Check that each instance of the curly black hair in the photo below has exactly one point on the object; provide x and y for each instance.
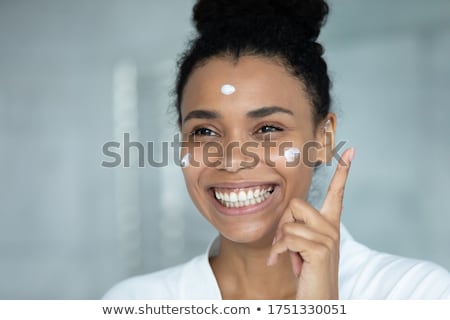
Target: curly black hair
(286, 30)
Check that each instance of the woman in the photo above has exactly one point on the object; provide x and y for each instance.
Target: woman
(254, 109)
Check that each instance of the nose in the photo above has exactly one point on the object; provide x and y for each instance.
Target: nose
(237, 155)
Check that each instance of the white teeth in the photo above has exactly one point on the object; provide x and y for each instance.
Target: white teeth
(242, 198)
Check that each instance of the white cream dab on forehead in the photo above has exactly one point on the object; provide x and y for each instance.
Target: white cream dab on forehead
(227, 89)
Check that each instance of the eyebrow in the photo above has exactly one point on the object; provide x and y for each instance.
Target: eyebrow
(201, 114)
(258, 113)
(267, 111)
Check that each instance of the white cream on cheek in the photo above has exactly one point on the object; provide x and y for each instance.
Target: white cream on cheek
(290, 158)
(291, 154)
(185, 162)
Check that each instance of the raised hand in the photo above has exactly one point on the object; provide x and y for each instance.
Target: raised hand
(312, 239)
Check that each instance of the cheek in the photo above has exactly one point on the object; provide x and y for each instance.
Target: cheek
(190, 169)
(294, 166)
(194, 167)
(186, 160)
(191, 178)
(285, 157)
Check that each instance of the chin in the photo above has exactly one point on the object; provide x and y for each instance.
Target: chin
(256, 236)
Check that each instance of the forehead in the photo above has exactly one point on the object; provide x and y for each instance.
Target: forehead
(258, 81)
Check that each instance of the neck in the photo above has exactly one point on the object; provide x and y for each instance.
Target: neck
(242, 272)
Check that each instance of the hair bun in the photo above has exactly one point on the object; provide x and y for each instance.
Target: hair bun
(307, 16)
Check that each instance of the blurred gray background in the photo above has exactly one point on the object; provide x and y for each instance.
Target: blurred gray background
(76, 74)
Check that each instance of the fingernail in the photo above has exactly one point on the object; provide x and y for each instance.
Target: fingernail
(351, 154)
(274, 240)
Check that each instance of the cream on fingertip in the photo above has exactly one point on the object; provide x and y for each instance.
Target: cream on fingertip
(351, 155)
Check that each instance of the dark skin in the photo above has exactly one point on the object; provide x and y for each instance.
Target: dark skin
(283, 248)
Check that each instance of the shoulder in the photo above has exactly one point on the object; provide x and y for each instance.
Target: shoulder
(179, 282)
(369, 274)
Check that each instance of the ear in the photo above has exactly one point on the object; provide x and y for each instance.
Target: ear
(325, 135)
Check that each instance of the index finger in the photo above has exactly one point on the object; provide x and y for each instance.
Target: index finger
(332, 205)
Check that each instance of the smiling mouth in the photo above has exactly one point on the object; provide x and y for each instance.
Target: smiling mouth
(242, 197)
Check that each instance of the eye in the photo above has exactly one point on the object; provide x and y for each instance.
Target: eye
(203, 132)
(267, 128)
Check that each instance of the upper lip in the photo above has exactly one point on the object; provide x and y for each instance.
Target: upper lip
(241, 185)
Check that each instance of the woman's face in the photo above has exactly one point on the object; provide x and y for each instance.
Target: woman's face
(238, 176)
